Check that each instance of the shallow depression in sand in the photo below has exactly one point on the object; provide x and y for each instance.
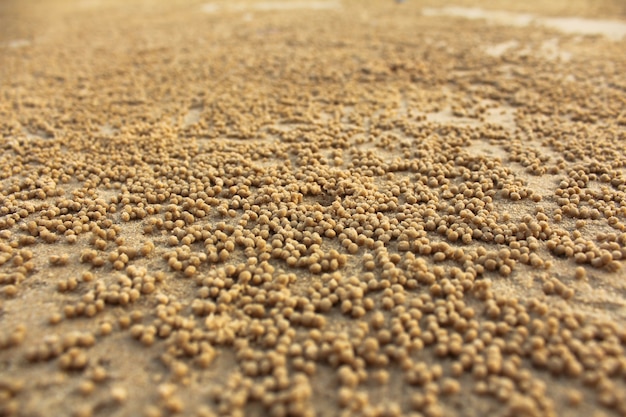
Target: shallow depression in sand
(612, 29)
(17, 43)
(272, 6)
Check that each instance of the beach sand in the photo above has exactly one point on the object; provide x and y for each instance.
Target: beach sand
(312, 208)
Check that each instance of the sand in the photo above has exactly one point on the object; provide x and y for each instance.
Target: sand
(325, 208)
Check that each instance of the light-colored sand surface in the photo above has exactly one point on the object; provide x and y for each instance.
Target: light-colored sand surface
(299, 208)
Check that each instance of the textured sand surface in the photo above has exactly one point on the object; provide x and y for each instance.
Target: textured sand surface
(299, 208)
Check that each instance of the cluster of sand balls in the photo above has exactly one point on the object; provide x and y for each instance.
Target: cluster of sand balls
(271, 222)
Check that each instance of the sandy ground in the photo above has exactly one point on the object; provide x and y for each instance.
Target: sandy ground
(298, 208)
